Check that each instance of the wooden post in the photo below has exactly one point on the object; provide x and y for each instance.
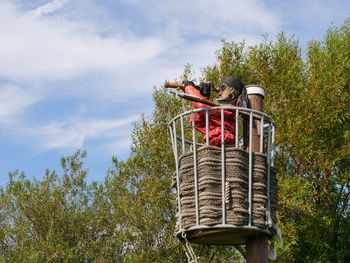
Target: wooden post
(257, 249)
(256, 246)
(256, 96)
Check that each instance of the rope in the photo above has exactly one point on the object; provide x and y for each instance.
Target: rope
(191, 256)
(236, 188)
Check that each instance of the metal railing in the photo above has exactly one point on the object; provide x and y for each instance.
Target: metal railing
(185, 139)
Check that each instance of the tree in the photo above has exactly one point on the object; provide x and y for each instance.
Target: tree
(48, 220)
(309, 100)
(130, 216)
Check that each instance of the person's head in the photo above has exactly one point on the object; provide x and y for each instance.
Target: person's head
(233, 89)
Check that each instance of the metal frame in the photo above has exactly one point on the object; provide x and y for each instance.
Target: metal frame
(267, 133)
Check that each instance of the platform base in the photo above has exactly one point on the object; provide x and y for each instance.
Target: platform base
(222, 236)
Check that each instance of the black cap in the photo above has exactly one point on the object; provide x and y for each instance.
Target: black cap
(234, 83)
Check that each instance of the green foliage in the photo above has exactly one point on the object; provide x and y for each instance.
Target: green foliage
(130, 217)
(309, 100)
(45, 221)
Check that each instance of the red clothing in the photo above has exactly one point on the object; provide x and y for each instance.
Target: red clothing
(214, 121)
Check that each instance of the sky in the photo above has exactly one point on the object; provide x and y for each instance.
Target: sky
(76, 74)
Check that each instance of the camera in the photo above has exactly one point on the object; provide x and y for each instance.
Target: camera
(205, 88)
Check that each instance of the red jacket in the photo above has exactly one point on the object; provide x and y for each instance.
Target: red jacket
(214, 121)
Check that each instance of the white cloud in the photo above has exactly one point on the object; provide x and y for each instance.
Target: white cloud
(38, 50)
(48, 8)
(56, 135)
(14, 100)
(87, 49)
(74, 134)
(117, 147)
(54, 48)
(222, 18)
(106, 128)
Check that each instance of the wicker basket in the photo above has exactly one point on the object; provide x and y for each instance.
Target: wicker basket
(209, 170)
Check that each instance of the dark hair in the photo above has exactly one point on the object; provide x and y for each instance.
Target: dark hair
(243, 100)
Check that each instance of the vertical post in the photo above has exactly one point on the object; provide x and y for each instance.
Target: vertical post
(174, 142)
(257, 250)
(262, 134)
(270, 162)
(250, 182)
(182, 135)
(256, 96)
(207, 126)
(273, 145)
(223, 167)
(194, 143)
(237, 123)
(256, 246)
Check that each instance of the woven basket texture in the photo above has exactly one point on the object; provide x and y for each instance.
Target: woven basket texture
(209, 170)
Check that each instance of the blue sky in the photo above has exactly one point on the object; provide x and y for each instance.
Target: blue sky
(75, 74)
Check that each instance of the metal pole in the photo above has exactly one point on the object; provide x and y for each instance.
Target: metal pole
(268, 173)
(195, 168)
(223, 171)
(262, 134)
(207, 126)
(174, 142)
(237, 127)
(273, 145)
(182, 135)
(250, 186)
